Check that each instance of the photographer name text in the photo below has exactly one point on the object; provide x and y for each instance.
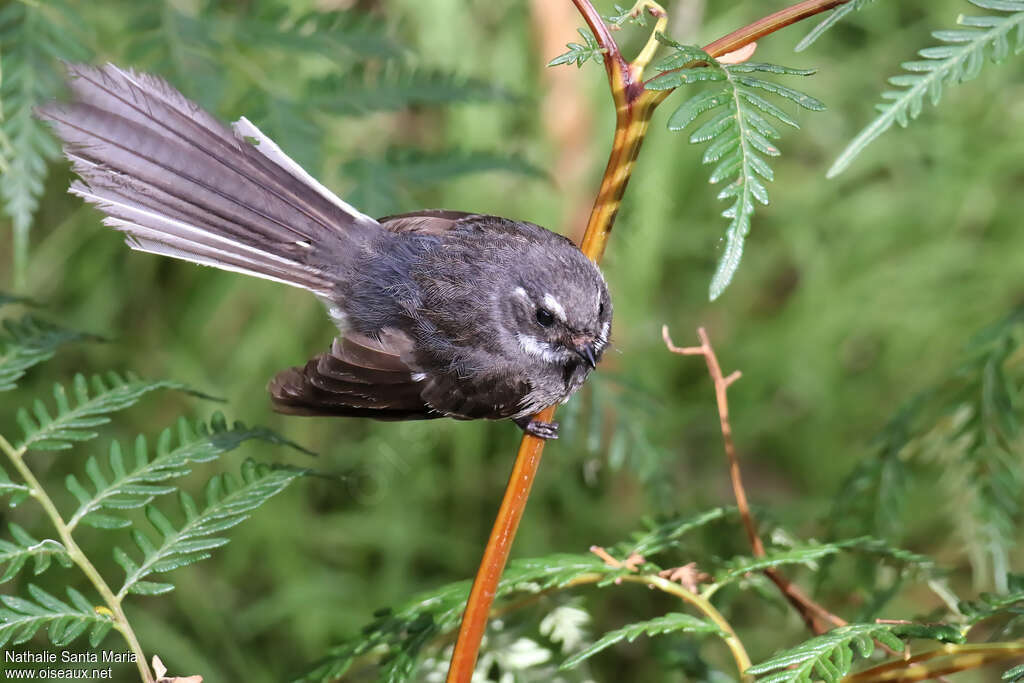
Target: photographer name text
(69, 657)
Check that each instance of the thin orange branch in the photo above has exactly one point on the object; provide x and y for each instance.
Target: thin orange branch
(481, 596)
(817, 618)
(721, 387)
(770, 24)
(934, 664)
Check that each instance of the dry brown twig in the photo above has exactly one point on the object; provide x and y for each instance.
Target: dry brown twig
(817, 618)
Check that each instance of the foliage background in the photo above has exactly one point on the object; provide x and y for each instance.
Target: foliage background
(854, 295)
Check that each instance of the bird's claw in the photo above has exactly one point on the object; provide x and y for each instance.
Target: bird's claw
(541, 430)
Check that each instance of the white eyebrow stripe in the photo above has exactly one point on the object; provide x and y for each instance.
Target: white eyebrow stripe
(552, 305)
(519, 291)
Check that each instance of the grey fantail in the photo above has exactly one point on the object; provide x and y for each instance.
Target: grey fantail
(441, 313)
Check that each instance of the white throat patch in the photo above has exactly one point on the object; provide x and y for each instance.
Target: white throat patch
(542, 349)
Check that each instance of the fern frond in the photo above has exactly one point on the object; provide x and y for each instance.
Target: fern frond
(321, 32)
(138, 484)
(28, 342)
(739, 135)
(837, 15)
(667, 534)
(673, 622)
(18, 492)
(379, 180)
(20, 619)
(34, 36)
(963, 433)
(884, 551)
(580, 53)
(174, 43)
(26, 548)
(93, 400)
(228, 502)
(828, 657)
(1014, 675)
(406, 630)
(361, 94)
(960, 58)
(626, 15)
(807, 555)
(989, 605)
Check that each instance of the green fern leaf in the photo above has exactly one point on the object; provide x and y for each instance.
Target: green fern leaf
(176, 44)
(138, 484)
(228, 502)
(18, 492)
(1014, 675)
(16, 555)
(960, 58)
(34, 36)
(21, 619)
(884, 551)
(626, 15)
(837, 15)
(361, 94)
(964, 435)
(807, 555)
(28, 342)
(580, 53)
(989, 605)
(379, 180)
(93, 400)
(828, 657)
(672, 622)
(667, 534)
(321, 32)
(740, 134)
(404, 631)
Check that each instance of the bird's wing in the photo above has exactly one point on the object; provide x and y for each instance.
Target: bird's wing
(358, 377)
(494, 397)
(426, 222)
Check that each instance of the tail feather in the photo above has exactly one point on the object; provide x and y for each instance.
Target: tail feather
(181, 184)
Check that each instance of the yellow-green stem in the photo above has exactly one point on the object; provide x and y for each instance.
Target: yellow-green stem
(36, 491)
(739, 653)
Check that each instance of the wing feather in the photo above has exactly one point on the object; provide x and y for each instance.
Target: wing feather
(358, 377)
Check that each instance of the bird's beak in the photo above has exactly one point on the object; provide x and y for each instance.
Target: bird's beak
(586, 352)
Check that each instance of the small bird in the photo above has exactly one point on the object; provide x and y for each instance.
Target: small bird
(441, 313)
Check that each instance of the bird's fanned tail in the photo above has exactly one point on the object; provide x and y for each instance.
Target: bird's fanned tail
(182, 184)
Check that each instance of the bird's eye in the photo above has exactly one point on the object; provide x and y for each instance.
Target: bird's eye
(545, 317)
(600, 309)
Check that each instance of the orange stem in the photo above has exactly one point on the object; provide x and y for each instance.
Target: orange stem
(481, 597)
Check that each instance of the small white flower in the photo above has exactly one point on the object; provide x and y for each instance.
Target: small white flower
(523, 654)
(566, 625)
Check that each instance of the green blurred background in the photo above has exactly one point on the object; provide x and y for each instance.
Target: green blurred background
(853, 295)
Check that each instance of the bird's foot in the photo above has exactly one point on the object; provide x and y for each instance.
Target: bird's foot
(541, 430)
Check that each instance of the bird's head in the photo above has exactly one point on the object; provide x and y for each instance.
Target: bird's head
(560, 308)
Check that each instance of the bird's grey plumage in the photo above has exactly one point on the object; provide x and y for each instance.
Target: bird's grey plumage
(441, 313)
